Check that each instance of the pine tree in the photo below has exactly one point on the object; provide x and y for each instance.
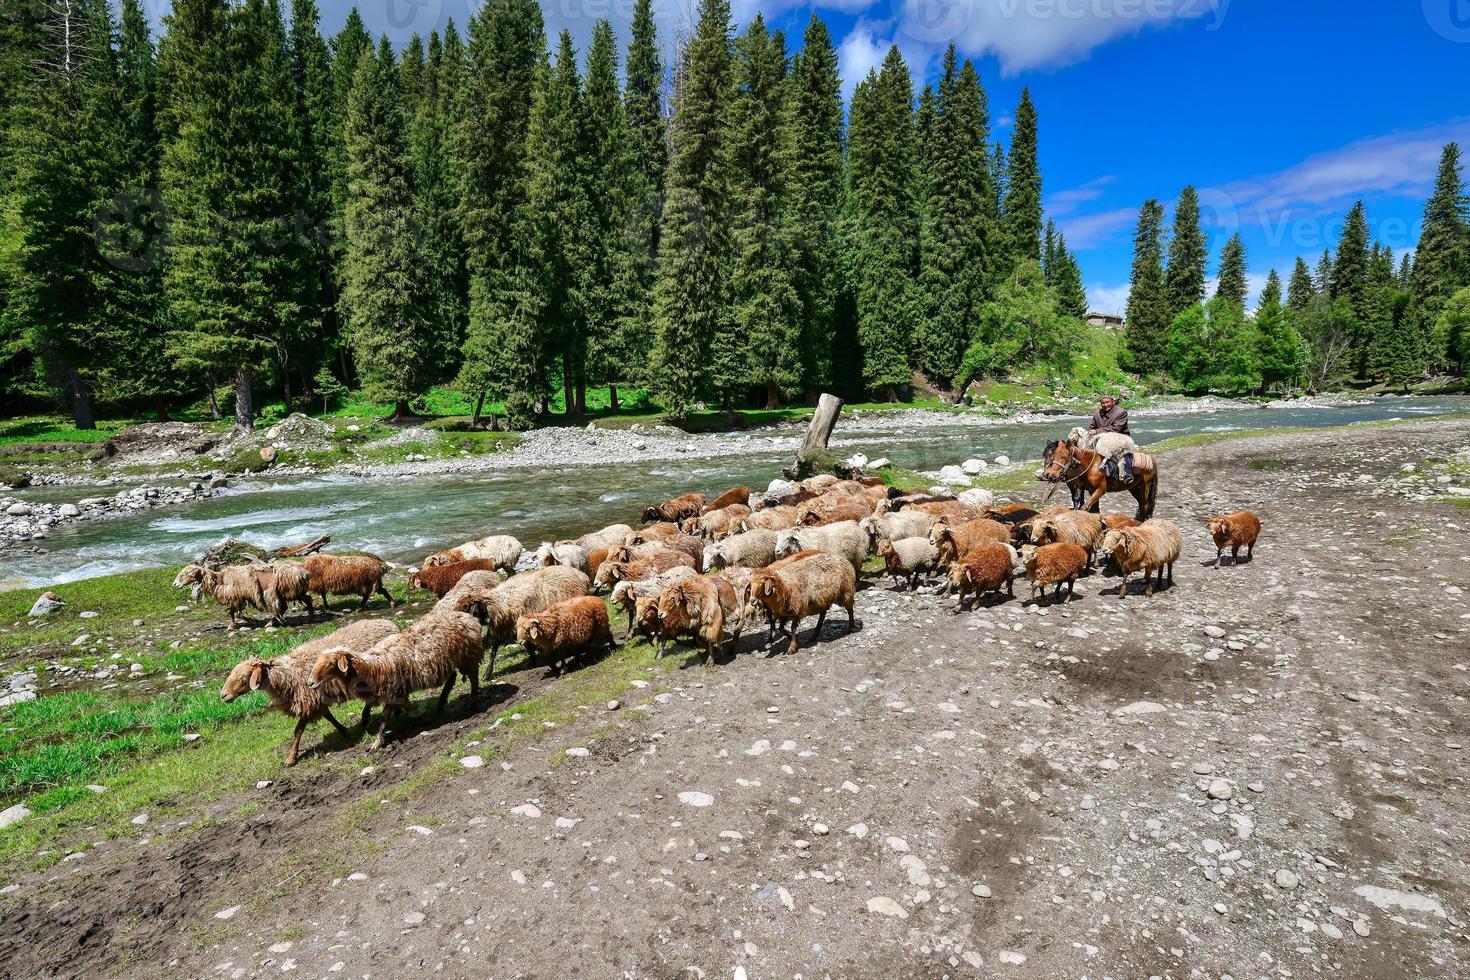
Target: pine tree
(1232, 285)
(1148, 316)
(311, 75)
(20, 39)
(765, 331)
(994, 208)
(649, 146)
(68, 153)
(882, 225)
(556, 213)
(613, 240)
(1049, 252)
(1442, 258)
(1395, 347)
(1322, 278)
(381, 269)
(1450, 339)
(1300, 291)
(955, 236)
(1071, 295)
(1279, 345)
(1188, 255)
(815, 198)
(1023, 188)
(692, 293)
(1213, 347)
(503, 350)
(349, 47)
(1350, 266)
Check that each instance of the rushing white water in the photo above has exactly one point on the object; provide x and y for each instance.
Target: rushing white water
(403, 518)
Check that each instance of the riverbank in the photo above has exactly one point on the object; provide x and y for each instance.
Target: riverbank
(1212, 746)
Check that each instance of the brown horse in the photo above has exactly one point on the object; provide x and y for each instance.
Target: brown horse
(1082, 471)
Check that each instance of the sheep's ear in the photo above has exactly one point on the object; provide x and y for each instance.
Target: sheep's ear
(257, 676)
(535, 631)
(342, 663)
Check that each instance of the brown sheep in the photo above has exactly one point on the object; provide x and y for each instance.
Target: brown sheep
(955, 540)
(811, 586)
(565, 628)
(234, 587)
(1053, 564)
(1021, 531)
(716, 524)
(608, 537)
(735, 495)
(1152, 546)
(851, 509)
(778, 518)
(675, 509)
(660, 630)
(439, 579)
(285, 582)
(658, 531)
(711, 605)
(1117, 522)
(502, 549)
(359, 575)
(1235, 531)
(612, 572)
(468, 591)
(595, 558)
(499, 608)
(286, 680)
(954, 511)
(433, 651)
(984, 569)
(1071, 526)
(626, 594)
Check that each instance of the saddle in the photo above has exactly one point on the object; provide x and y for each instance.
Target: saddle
(1135, 464)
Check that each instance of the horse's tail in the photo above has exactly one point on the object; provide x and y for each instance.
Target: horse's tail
(1153, 492)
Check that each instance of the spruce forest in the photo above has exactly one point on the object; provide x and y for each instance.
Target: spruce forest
(241, 209)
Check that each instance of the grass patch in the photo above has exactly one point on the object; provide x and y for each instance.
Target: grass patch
(118, 599)
(1269, 465)
(50, 428)
(1406, 539)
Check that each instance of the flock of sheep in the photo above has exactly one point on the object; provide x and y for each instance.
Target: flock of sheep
(696, 568)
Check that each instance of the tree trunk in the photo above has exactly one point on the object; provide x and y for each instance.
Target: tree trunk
(213, 404)
(773, 395)
(890, 394)
(568, 387)
(81, 401)
(819, 430)
(581, 390)
(612, 398)
(244, 399)
(160, 408)
(810, 396)
(286, 388)
(401, 410)
(479, 405)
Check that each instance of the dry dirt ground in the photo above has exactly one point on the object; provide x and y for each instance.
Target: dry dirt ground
(1257, 773)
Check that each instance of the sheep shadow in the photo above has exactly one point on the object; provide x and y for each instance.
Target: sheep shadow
(1138, 588)
(1227, 562)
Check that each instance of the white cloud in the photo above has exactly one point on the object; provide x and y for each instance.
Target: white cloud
(1066, 202)
(1030, 34)
(1091, 230)
(859, 53)
(1103, 298)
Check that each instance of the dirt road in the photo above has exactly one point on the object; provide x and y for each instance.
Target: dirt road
(1259, 772)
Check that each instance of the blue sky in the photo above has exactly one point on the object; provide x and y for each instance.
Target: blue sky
(1280, 113)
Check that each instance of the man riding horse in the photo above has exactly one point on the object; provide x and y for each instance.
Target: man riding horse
(1103, 459)
(1111, 419)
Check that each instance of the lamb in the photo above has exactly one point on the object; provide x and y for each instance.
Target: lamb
(568, 553)
(439, 579)
(627, 593)
(735, 495)
(899, 524)
(502, 549)
(1074, 526)
(285, 582)
(286, 680)
(777, 518)
(234, 587)
(717, 524)
(433, 651)
(984, 569)
(752, 549)
(595, 558)
(499, 608)
(955, 540)
(660, 629)
(609, 537)
(1117, 521)
(908, 557)
(1053, 564)
(1152, 546)
(845, 540)
(565, 628)
(1235, 531)
(675, 509)
(711, 605)
(613, 571)
(359, 575)
(813, 585)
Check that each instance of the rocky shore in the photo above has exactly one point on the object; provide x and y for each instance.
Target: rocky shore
(22, 520)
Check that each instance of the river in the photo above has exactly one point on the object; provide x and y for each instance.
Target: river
(403, 518)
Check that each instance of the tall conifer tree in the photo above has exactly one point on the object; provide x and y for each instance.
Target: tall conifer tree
(1023, 186)
(1187, 255)
(1301, 288)
(1442, 258)
(1232, 286)
(1149, 305)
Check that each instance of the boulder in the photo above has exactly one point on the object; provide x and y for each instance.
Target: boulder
(269, 453)
(1002, 461)
(978, 496)
(19, 510)
(973, 466)
(69, 510)
(857, 461)
(14, 815)
(954, 475)
(47, 604)
(879, 463)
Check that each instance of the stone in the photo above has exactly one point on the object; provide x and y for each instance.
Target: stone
(973, 466)
(69, 510)
(14, 815)
(578, 752)
(1221, 789)
(229, 913)
(19, 510)
(1214, 632)
(1286, 878)
(1002, 460)
(414, 919)
(692, 798)
(472, 762)
(980, 891)
(953, 475)
(526, 810)
(1392, 898)
(1139, 708)
(140, 819)
(1011, 956)
(269, 454)
(883, 905)
(45, 605)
